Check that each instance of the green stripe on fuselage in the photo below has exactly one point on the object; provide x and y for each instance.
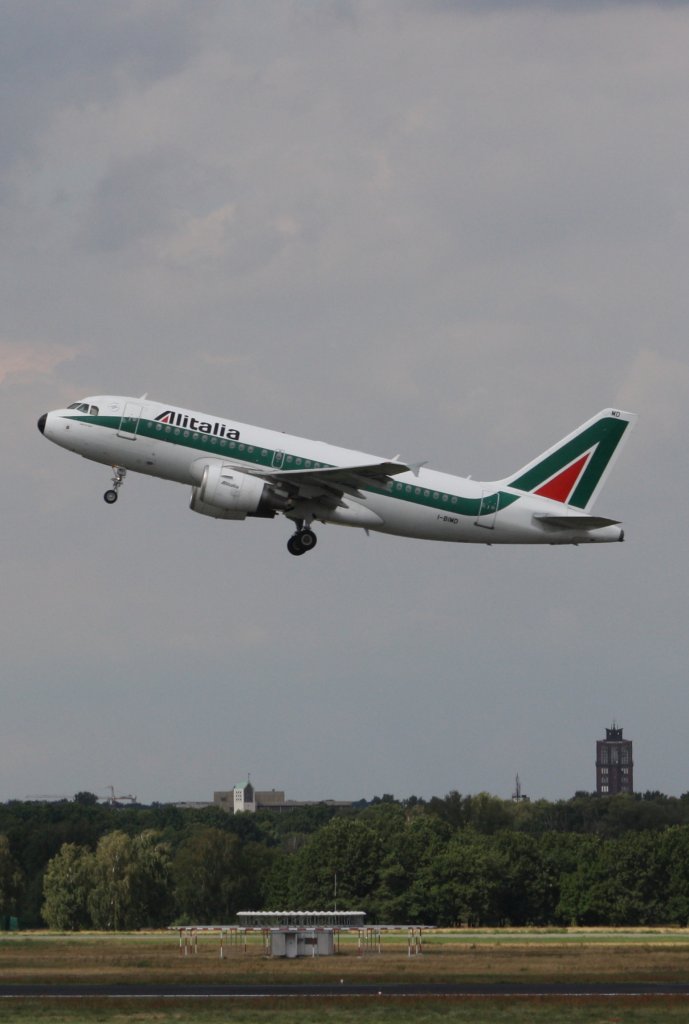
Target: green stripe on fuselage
(209, 444)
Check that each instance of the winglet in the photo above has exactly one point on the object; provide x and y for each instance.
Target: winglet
(414, 467)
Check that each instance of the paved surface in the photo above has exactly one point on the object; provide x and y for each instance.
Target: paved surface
(513, 990)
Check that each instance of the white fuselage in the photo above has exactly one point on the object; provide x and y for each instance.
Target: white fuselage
(177, 444)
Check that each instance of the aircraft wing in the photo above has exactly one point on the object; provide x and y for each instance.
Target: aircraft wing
(334, 480)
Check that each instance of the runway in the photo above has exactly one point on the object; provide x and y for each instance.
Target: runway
(512, 990)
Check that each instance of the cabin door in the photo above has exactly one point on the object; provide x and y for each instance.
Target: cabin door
(129, 424)
(488, 510)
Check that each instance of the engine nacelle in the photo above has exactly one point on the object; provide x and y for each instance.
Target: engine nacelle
(226, 493)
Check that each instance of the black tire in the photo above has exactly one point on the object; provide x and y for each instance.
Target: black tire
(110, 497)
(294, 545)
(308, 539)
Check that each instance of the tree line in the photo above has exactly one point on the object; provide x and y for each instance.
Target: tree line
(456, 860)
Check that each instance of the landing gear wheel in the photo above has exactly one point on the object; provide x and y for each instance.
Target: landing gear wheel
(308, 539)
(118, 475)
(301, 542)
(294, 545)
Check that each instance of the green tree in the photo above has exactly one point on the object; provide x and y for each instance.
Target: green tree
(618, 882)
(386, 818)
(85, 798)
(66, 886)
(590, 859)
(125, 884)
(11, 879)
(528, 883)
(673, 852)
(401, 895)
(210, 877)
(487, 814)
(273, 892)
(110, 899)
(150, 882)
(462, 884)
(339, 864)
(450, 808)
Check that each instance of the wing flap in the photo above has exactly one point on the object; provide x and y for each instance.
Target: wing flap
(349, 479)
(369, 470)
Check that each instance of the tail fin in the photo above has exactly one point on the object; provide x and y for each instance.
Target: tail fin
(574, 470)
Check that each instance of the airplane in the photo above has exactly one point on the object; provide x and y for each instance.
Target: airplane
(237, 471)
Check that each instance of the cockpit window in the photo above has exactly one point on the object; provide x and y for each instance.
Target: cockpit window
(92, 410)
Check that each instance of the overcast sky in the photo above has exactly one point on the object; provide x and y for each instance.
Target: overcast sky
(451, 231)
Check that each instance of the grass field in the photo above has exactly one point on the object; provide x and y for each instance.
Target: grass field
(572, 956)
(41, 958)
(365, 1011)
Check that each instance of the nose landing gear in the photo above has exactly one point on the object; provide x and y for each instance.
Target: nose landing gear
(118, 475)
(301, 541)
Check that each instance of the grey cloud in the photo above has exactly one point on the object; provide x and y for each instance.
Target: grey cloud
(448, 235)
(132, 200)
(566, 8)
(66, 52)
(75, 50)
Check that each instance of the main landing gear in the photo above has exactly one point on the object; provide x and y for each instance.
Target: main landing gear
(118, 475)
(301, 541)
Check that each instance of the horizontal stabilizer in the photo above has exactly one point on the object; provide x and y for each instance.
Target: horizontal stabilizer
(577, 522)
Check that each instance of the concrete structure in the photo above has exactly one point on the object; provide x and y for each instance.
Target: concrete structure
(292, 942)
(245, 798)
(302, 932)
(614, 764)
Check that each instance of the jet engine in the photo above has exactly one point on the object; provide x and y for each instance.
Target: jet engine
(226, 493)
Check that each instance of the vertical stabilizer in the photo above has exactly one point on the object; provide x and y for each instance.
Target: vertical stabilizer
(574, 470)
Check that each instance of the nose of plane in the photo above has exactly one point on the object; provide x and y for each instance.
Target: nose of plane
(41, 422)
